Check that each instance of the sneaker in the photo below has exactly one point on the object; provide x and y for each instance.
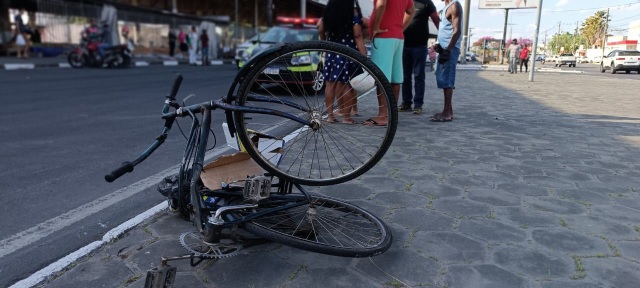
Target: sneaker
(417, 111)
(404, 108)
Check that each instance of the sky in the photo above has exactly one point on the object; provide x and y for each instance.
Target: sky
(521, 24)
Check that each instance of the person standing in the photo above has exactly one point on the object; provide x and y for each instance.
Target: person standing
(192, 41)
(448, 48)
(341, 23)
(524, 58)
(388, 20)
(204, 47)
(514, 54)
(172, 43)
(22, 39)
(414, 56)
(182, 40)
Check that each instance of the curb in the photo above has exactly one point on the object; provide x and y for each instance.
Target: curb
(140, 63)
(493, 68)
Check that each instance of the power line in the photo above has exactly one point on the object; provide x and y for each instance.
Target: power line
(583, 9)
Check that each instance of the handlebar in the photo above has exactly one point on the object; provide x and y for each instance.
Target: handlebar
(115, 174)
(128, 166)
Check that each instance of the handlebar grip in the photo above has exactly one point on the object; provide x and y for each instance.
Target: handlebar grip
(175, 87)
(125, 168)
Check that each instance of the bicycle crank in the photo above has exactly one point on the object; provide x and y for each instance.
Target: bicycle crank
(194, 243)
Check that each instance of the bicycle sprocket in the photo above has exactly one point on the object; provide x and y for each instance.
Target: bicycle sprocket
(194, 243)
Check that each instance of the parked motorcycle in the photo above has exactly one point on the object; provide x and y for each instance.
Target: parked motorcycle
(88, 55)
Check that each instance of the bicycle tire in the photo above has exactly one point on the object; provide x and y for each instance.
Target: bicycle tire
(350, 230)
(340, 152)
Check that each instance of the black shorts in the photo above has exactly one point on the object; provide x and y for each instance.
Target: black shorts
(184, 47)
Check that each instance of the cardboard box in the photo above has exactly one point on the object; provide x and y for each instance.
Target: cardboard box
(228, 169)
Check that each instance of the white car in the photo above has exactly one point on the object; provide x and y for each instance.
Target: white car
(621, 60)
(583, 59)
(596, 59)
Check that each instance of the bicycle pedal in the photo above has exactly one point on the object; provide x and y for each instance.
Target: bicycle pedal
(257, 188)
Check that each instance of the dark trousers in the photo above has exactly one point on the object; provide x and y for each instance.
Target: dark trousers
(172, 48)
(413, 64)
(526, 64)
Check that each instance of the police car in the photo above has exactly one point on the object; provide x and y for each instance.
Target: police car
(303, 68)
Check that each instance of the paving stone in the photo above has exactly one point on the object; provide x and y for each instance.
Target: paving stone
(130, 243)
(631, 200)
(95, 273)
(568, 174)
(492, 230)
(461, 207)
(584, 196)
(629, 249)
(493, 197)
(437, 190)
(555, 205)
(483, 276)
(149, 257)
(520, 169)
(566, 241)
(537, 264)
(548, 182)
(616, 212)
(403, 264)
(613, 272)
(449, 247)
(383, 184)
(249, 270)
(400, 199)
(521, 188)
(497, 176)
(167, 225)
(468, 182)
(591, 225)
(569, 284)
(346, 191)
(311, 260)
(422, 219)
(330, 277)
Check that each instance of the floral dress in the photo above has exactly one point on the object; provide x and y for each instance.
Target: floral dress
(338, 68)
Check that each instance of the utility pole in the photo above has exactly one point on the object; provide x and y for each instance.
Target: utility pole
(535, 42)
(558, 38)
(465, 32)
(604, 37)
(303, 9)
(575, 40)
(504, 36)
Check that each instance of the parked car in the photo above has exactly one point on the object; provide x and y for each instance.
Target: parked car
(541, 58)
(583, 59)
(552, 58)
(566, 59)
(308, 66)
(244, 46)
(596, 59)
(621, 60)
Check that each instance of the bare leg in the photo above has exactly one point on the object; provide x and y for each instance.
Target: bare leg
(447, 111)
(382, 117)
(329, 98)
(345, 101)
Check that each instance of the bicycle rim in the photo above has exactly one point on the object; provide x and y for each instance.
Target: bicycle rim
(338, 146)
(325, 225)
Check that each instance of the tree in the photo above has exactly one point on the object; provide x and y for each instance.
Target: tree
(593, 28)
(480, 41)
(566, 42)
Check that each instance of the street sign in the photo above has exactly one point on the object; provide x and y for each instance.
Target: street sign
(508, 4)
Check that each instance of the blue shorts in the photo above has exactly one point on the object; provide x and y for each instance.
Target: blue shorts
(446, 73)
(387, 54)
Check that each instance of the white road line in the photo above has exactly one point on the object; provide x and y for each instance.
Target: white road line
(46, 228)
(10, 66)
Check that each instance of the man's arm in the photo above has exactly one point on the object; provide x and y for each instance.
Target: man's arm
(435, 19)
(408, 16)
(454, 12)
(378, 12)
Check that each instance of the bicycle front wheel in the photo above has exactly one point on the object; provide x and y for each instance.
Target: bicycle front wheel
(324, 225)
(352, 119)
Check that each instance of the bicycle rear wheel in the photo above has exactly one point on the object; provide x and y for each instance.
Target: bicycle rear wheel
(340, 143)
(324, 225)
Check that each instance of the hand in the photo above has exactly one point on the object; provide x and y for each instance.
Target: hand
(443, 56)
(376, 32)
(437, 48)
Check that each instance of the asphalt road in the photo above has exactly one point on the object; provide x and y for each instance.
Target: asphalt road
(594, 69)
(62, 131)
